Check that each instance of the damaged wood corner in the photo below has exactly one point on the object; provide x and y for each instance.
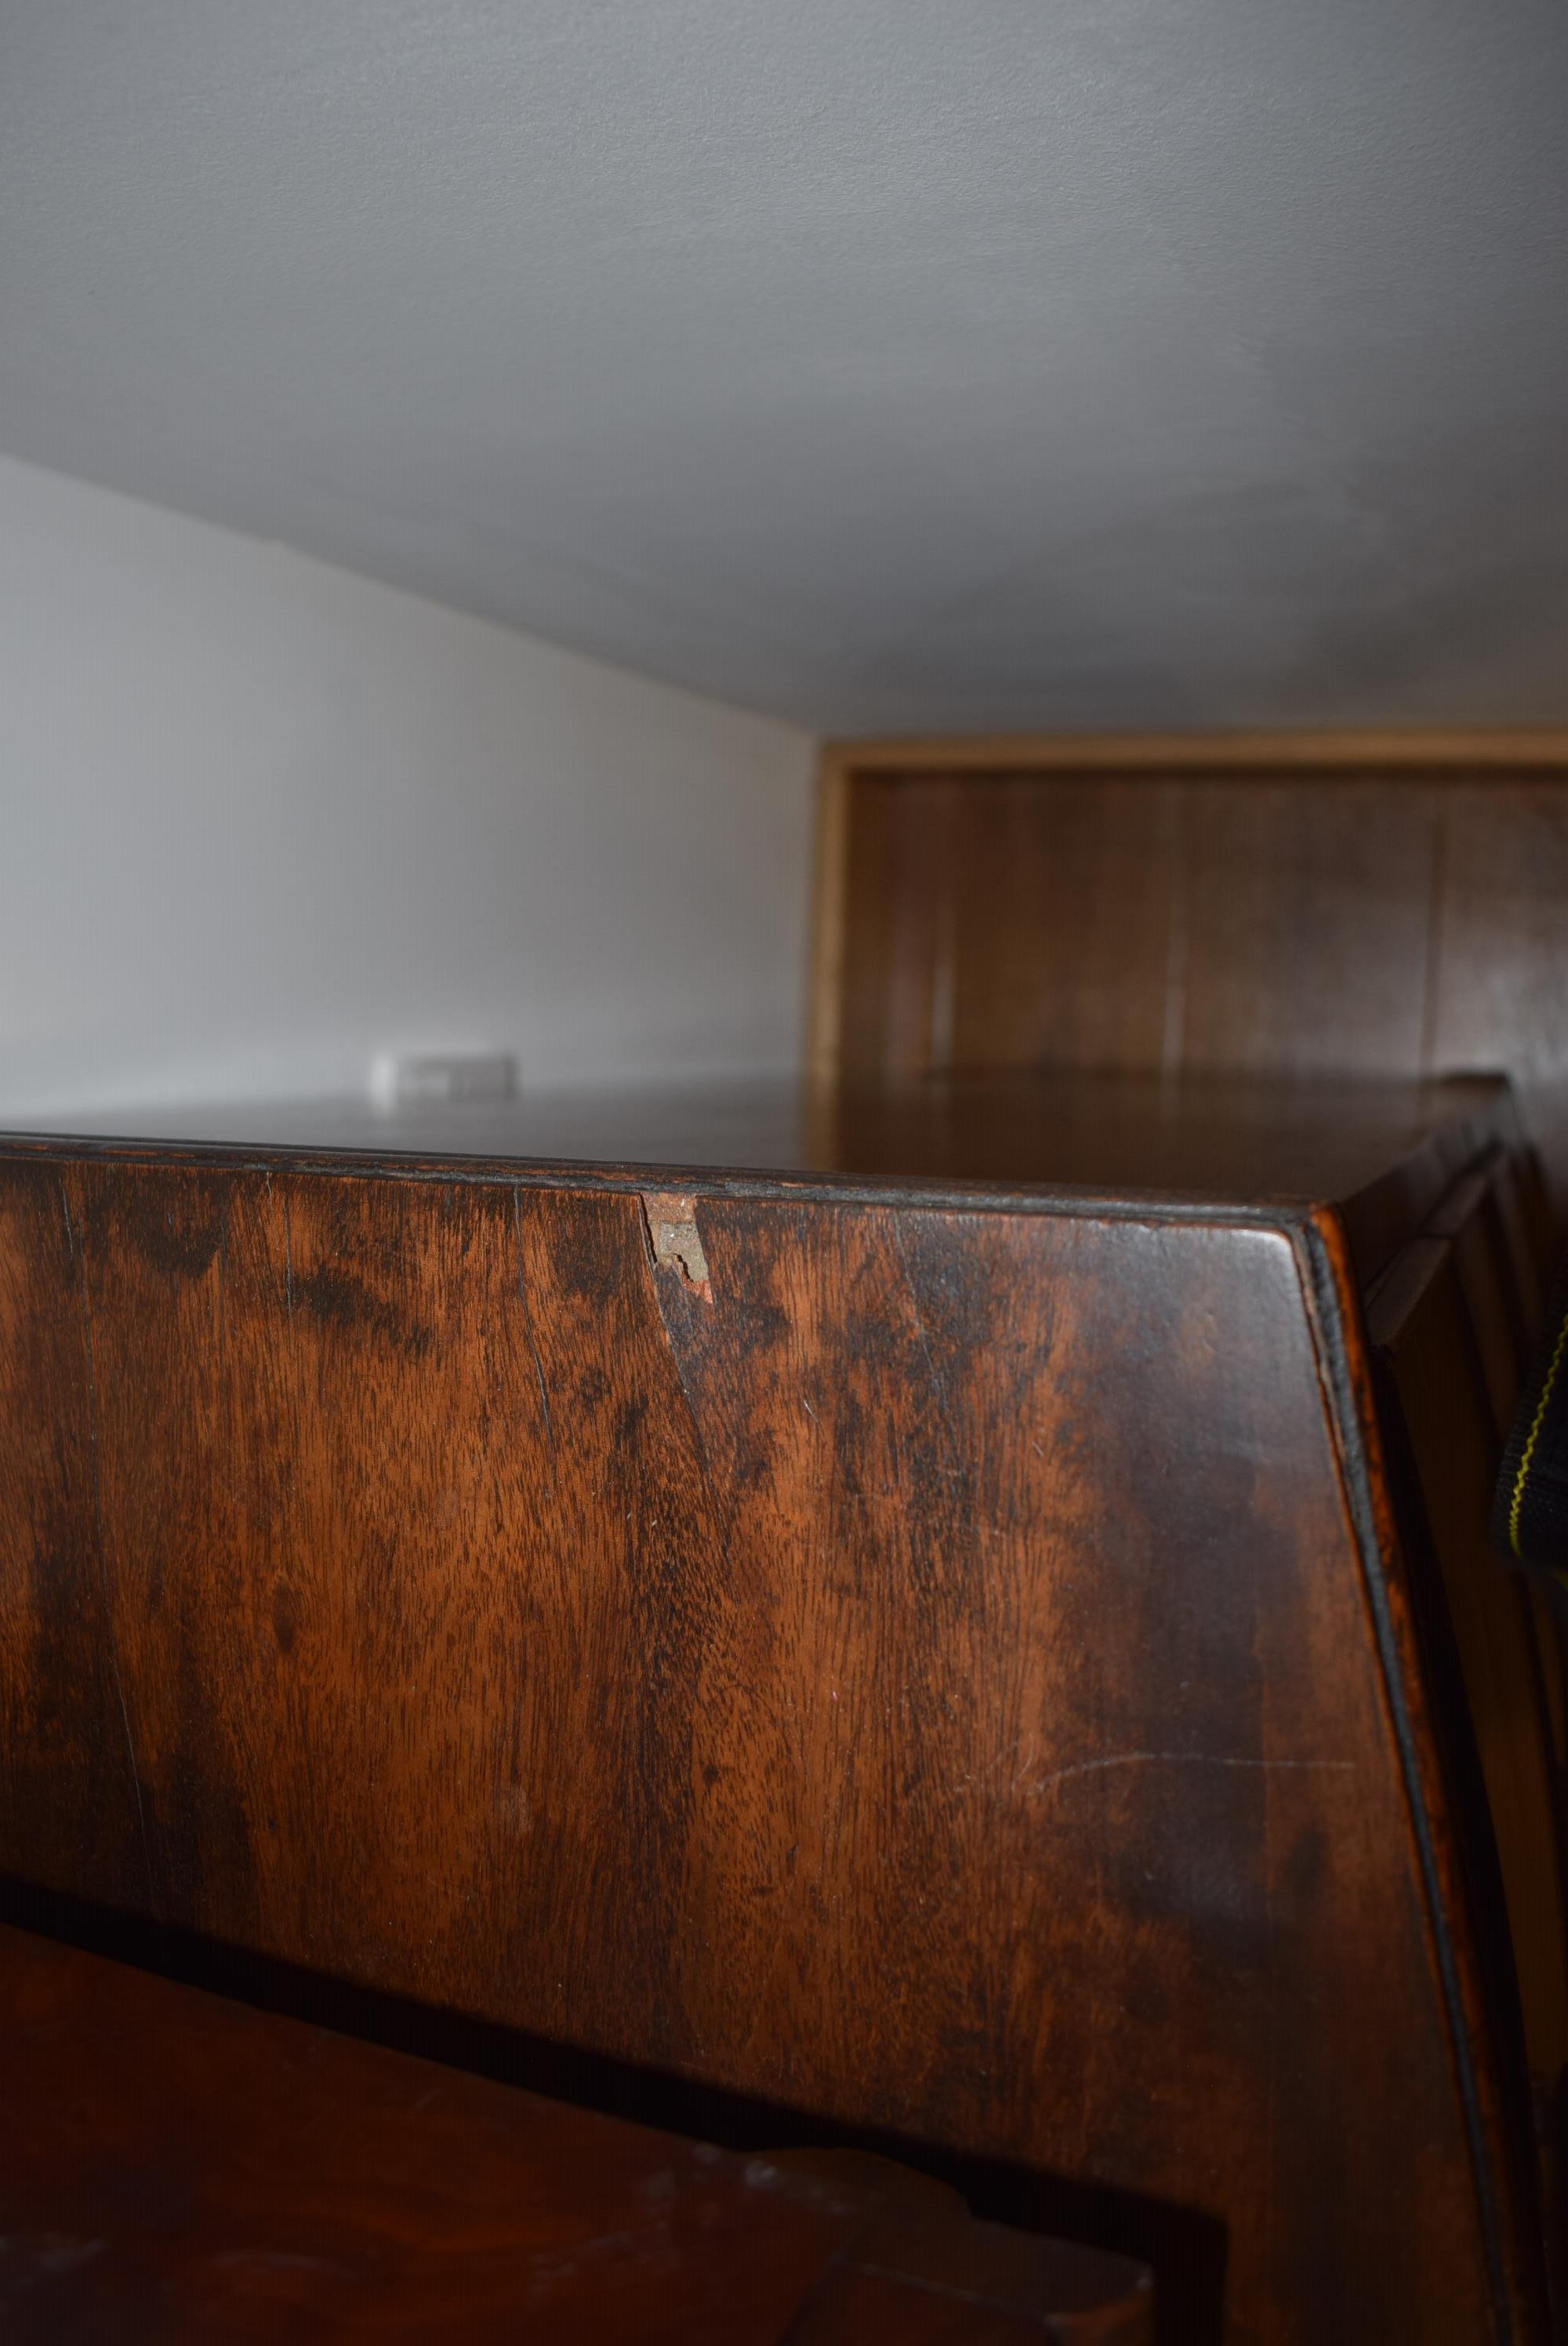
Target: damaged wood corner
(674, 1240)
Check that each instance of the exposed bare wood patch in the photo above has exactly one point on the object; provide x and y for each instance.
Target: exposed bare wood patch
(674, 1239)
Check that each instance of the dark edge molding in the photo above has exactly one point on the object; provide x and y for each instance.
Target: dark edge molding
(1474, 1131)
(918, 1191)
(1326, 1307)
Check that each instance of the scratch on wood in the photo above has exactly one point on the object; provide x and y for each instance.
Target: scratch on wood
(722, 1516)
(674, 1239)
(1169, 1760)
(528, 1332)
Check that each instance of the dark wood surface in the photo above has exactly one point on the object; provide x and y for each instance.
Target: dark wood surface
(1501, 975)
(475, 1607)
(1381, 1153)
(1453, 1321)
(175, 2167)
(949, 1669)
(1401, 921)
(1439, 1373)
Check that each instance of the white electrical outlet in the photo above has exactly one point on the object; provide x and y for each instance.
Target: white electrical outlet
(399, 1079)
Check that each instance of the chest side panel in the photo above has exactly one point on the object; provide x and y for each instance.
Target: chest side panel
(918, 1672)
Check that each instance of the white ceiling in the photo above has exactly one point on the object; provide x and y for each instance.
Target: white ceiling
(886, 364)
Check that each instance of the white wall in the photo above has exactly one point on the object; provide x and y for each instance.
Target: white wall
(260, 818)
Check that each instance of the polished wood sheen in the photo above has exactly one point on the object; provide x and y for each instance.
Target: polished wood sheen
(965, 1660)
(1382, 1151)
(178, 2167)
(1391, 909)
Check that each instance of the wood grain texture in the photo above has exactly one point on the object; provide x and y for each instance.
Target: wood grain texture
(1063, 924)
(898, 948)
(178, 2167)
(1502, 968)
(64, 1749)
(829, 892)
(1361, 904)
(840, 1690)
(1307, 912)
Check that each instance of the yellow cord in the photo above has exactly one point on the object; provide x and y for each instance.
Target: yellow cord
(1518, 1499)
